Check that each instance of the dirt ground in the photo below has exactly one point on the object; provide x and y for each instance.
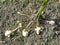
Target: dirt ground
(25, 11)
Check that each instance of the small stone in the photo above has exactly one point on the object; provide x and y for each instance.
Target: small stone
(57, 32)
(25, 33)
(51, 22)
(7, 33)
(37, 29)
(18, 12)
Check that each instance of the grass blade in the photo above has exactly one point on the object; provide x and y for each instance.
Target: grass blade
(42, 8)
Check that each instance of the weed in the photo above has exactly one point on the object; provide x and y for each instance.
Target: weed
(42, 8)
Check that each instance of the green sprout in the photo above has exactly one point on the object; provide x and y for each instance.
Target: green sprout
(42, 8)
(38, 28)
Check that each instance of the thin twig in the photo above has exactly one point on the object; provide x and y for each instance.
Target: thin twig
(28, 26)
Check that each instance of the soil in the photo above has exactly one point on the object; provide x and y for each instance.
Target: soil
(25, 11)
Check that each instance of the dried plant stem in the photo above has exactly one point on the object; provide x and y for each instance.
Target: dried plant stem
(28, 26)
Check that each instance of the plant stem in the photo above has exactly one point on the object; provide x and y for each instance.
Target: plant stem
(29, 25)
(42, 8)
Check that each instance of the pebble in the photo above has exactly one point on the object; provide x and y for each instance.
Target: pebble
(7, 33)
(37, 29)
(51, 22)
(25, 33)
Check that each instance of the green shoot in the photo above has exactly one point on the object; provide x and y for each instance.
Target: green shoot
(41, 8)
